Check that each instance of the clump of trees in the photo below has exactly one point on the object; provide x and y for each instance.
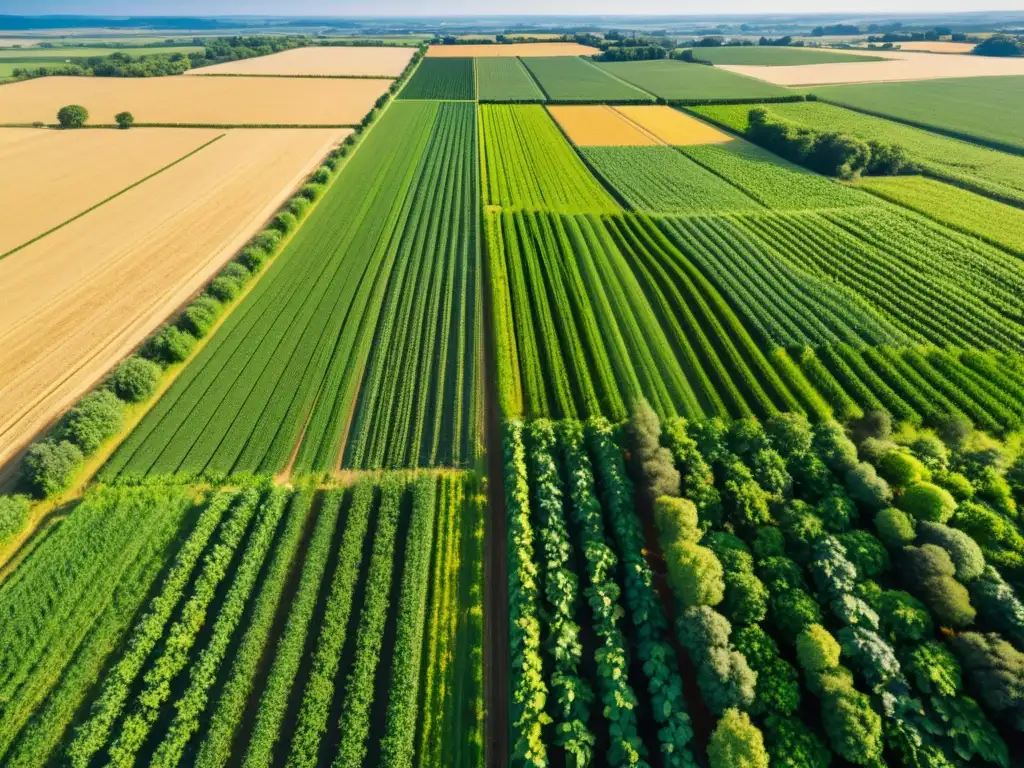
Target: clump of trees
(124, 120)
(1000, 45)
(72, 116)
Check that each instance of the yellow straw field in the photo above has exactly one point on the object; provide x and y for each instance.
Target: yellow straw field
(600, 126)
(319, 60)
(674, 127)
(512, 49)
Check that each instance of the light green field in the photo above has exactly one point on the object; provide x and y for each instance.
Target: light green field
(60, 54)
(505, 79)
(771, 56)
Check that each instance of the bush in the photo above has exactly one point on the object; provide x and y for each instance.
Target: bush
(869, 653)
(930, 449)
(253, 258)
(726, 680)
(866, 552)
(816, 651)
(961, 548)
(853, 727)
(298, 207)
(745, 437)
(995, 670)
(736, 743)
(998, 604)
(872, 449)
(746, 598)
(957, 484)
(873, 425)
(925, 501)
(168, 345)
(769, 542)
(790, 434)
(769, 470)
(800, 527)
(284, 222)
(311, 192)
(836, 511)
(867, 487)
(834, 448)
(902, 617)
(998, 537)
(48, 466)
(13, 515)
(700, 628)
(793, 611)
(901, 469)
(853, 611)
(224, 289)
(930, 571)
(695, 574)
(780, 574)
(97, 416)
(810, 476)
(237, 272)
(676, 519)
(135, 379)
(652, 464)
(72, 116)
(124, 120)
(778, 686)
(267, 240)
(933, 668)
(791, 744)
(895, 528)
(199, 316)
(321, 175)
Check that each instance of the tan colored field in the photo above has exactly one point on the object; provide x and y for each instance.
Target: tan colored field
(318, 60)
(938, 47)
(195, 100)
(55, 175)
(75, 302)
(673, 127)
(513, 49)
(901, 66)
(600, 126)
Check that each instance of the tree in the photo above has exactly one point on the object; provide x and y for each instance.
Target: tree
(49, 466)
(834, 447)
(999, 45)
(200, 316)
(779, 574)
(769, 470)
(869, 653)
(700, 628)
(926, 501)
(790, 434)
(854, 728)
(736, 743)
(933, 668)
(652, 464)
(995, 670)
(96, 417)
(901, 469)
(998, 604)
(961, 548)
(746, 599)
(72, 116)
(778, 687)
(168, 345)
(124, 120)
(793, 611)
(902, 617)
(836, 511)
(676, 519)
(866, 552)
(894, 528)
(695, 574)
(816, 652)
(867, 487)
(929, 570)
(135, 379)
(726, 680)
(13, 514)
(791, 744)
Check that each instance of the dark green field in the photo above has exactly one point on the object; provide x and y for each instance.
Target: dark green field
(675, 80)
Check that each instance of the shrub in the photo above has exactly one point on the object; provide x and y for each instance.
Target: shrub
(872, 449)
(224, 289)
(298, 207)
(894, 528)
(837, 512)
(237, 272)
(695, 574)
(769, 542)
(998, 604)
(746, 437)
(311, 192)
(961, 548)
(778, 686)
(930, 449)
(48, 466)
(72, 116)
(800, 527)
(96, 417)
(252, 258)
(866, 552)
(746, 598)
(853, 727)
(726, 680)
(135, 379)
(652, 464)
(791, 744)
(933, 668)
(901, 469)
(995, 670)
(321, 175)
(736, 743)
(925, 501)
(869, 653)
(676, 519)
(930, 570)
(834, 447)
(13, 515)
(267, 240)
(700, 628)
(199, 316)
(780, 574)
(793, 611)
(902, 617)
(816, 651)
(867, 487)
(168, 345)
(769, 470)
(790, 433)
(284, 222)
(873, 425)
(958, 485)
(124, 120)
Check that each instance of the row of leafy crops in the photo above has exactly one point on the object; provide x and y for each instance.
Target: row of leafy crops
(504, 78)
(442, 78)
(420, 398)
(990, 172)
(527, 163)
(878, 566)
(590, 652)
(573, 78)
(302, 627)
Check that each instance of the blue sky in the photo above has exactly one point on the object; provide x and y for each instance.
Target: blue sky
(478, 7)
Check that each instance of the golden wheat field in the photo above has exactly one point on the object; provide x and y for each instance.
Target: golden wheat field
(938, 47)
(673, 127)
(600, 126)
(76, 301)
(318, 60)
(512, 49)
(195, 100)
(86, 167)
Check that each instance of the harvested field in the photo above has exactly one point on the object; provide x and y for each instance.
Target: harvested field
(318, 60)
(513, 49)
(938, 47)
(674, 127)
(772, 56)
(917, 66)
(86, 166)
(600, 126)
(77, 301)
(195, 100)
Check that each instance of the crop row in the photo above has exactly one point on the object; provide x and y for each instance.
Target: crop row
(419, 400)
(442, 78)
(503, 78)
(573, 78)
(398, 548)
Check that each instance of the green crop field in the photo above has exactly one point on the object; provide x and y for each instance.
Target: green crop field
(993, 173)
(527, 163)
(989, 109)
(663, 180)
(571, 78)
(495, 449)
(780, 56)
(677, 81)
(505, 79)
(53, 58)
(442, 79)
(1000, 224)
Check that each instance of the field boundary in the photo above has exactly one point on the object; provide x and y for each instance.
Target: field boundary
(92, 208)
(590, 60)
(999, 146)
(218, 126)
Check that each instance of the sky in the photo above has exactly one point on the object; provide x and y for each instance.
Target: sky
(481, 7)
